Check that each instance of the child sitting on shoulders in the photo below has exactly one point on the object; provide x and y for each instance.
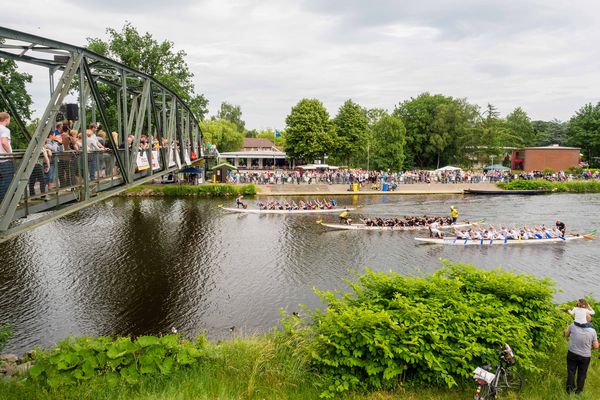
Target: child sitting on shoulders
(580, 313)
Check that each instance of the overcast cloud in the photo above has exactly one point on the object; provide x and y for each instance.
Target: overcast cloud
(266, 55)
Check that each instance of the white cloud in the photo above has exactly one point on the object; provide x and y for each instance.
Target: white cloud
(267, 55)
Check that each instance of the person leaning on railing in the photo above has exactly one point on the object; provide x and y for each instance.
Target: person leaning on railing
(7, 168)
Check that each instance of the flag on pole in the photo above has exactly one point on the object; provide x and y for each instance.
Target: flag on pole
(277, 133)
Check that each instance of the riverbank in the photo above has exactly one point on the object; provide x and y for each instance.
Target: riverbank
(263, 368)
(581, 186)
(344, 190)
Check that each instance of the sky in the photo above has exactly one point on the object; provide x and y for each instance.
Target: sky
(266, 55)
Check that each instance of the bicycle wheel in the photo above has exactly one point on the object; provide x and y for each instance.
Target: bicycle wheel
(486, 393)
(509, 379)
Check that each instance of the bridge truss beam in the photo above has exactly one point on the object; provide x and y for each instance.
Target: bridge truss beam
(127, 102)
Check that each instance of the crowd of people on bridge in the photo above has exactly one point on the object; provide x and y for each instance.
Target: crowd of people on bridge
(60, 161)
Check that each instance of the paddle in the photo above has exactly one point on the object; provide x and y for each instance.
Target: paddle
(590, 236)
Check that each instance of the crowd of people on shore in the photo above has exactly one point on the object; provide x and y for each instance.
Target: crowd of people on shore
(375, 179)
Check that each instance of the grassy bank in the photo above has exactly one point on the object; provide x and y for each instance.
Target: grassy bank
(589, 186)
(204, 190)
(263, 368)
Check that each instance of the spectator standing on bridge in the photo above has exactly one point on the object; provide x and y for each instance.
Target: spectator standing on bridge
(7, 168)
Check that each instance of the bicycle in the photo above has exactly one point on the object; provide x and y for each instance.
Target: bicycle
(505, 378)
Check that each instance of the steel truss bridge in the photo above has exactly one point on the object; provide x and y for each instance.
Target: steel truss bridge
(46, 188)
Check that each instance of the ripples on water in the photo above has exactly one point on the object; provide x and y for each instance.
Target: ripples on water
(137, 266)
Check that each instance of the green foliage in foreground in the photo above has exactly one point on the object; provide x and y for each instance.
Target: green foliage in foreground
(250, 368)
(429, 331)
(259, 368)
(5, 334)
(590, 186)
(81, 359)
(210, 190)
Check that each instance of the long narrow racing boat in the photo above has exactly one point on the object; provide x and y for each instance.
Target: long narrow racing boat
(364, 227)
(500, 242)
(287, 212)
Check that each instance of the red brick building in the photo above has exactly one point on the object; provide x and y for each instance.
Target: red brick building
(555, 157)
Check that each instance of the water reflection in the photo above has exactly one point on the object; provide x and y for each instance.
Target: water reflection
(136, 266)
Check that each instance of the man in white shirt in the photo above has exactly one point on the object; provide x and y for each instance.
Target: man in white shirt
(93, 146)
(7, 168)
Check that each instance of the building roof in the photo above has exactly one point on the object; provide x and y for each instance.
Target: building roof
(252, 143)
(553, 147)
(253, 154)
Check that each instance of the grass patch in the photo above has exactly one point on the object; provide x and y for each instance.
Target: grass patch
(589, 186)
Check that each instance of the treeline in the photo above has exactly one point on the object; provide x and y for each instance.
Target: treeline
(427, 131)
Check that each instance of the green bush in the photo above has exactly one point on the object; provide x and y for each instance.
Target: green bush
(430, 331)
(590, 186)
(212, 190)
(5, 334)
(80, 359)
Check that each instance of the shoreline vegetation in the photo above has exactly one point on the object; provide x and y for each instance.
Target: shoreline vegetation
(202, 190)
(579, 186)
(389, 337)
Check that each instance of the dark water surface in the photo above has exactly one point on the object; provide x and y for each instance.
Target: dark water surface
(140, 266)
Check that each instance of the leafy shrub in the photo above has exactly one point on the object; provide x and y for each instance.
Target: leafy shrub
(5, 334)
(79, 359)
(590, 186)
(429, 331)
(213, 190)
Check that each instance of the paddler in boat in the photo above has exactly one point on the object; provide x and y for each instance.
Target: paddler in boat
(454, 214)
(561, 227)
(434, 231)
(238, 202)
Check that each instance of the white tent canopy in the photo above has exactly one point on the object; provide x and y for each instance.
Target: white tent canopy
(317, 166)
(448, 168)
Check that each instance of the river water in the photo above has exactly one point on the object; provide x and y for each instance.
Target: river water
(133, 266)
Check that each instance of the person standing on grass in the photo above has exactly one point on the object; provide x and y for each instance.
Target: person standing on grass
(581, 343)
(7, 168)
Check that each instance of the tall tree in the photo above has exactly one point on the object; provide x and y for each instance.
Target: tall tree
(233, 114)
(352, 127)
(222, 133)
(418, 115)
(157, 59)
(584, 132)
(310, 134)
(13, 83)
(550, 132)
(519, 128)
(389, 139)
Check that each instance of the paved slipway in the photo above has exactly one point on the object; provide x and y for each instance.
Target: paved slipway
(290, 189)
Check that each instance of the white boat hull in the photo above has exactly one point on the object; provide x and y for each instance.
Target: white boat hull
(497, 242)
(287, 212)
(363, 227)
